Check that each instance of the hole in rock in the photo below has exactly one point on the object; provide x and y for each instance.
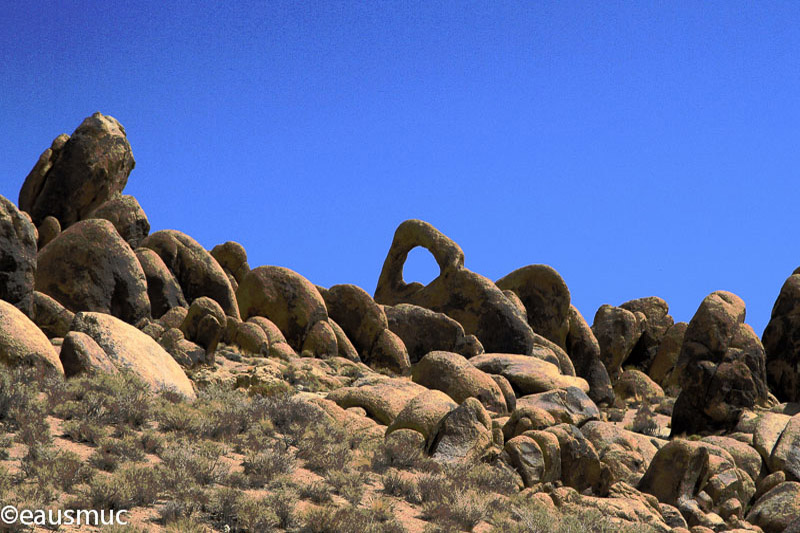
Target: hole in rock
(420, 266)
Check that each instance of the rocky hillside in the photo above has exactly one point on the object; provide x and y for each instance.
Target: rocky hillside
(144, 372)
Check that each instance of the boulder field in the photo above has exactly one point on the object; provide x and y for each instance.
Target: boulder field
(677, 426)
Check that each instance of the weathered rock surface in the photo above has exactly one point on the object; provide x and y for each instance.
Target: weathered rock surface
(627, 454)
(527, 375)
(80, 354)
(580, 466)
(48, 230)
(51, 317)
(782, 342)
(536, 455)
(127, 215)
(452, 374)
(232, 257)
(634, 385)
(423, 331)
(130, 349)
(786, 453)
(78, 173)
(584, 351)
(617, 331)
(570, 405)
(197, 272)
(546, 299)
(778, 509)
(24, 344)
(469, 298)
(383, 398)
(88, 267)
(17, 257)
(667, 355)
(204, 323)
(463, 435)
(423, 413)
(724, 367)
(658, 322)
(163, 289)
(286, 298)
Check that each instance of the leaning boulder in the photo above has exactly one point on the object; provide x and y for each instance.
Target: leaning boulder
(127, 216)
(130, 349)
(197, 272)
(88, 267)
(463, 435)
(584, 351)
(546, 299)
(51, 317)
(626, 453)
(782, 342)
(204, 324)
(423, 413)
(456, 377)
(79, 172)
(24, 344)
(724, 367)
(661, 369)
(469, 298)
(232, 257)
(580, 466)
(80, 354)
(570, 405)
(17, 257)
(163, 289)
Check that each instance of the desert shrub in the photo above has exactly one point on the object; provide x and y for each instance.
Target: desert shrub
(31, 421)
(261, 467)
(381, 507)
(395, 484)
(292, 415)
(257, 437)
(282, 502)
(316, 491)
(179, 417)
(83, 431)
(151, 441)
(486, 477)
(17, 391)
(6, 441)
(222, 505)
(330, 519)
(33, 495)
(434, 486)
(121, 398)
(198, 462)
(348, 485)
(145, 483)
(62, 468)
(128, 487)
(398, 452)
(111, 452)
(6, 482)
(187, 525)
(324, 447)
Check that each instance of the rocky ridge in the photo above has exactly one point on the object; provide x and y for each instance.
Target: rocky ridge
(656, 424)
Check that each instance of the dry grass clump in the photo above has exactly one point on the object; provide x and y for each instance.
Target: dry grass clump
(263, 466)
(330, 519)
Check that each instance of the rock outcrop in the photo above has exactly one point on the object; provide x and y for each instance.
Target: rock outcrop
(17, 257)
(78, 173)
(782, 342)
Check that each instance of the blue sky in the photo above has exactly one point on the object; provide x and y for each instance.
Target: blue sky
(640, 148)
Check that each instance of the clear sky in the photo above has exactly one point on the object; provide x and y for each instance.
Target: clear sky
(640, 148)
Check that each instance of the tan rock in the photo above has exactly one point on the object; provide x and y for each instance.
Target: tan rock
(423, 412)
(129, 348)
(80, 354)
(626, 453)
(163, 289)
(382, 397)
(24, 344)
(452, 374)
(778, 509)
(528, 375)
(570, 405)
(584, 351)
(127, 215)
(463, 435)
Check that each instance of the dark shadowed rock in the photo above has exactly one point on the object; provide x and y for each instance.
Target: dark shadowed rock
(724, 368)
(463, 435)
(661, 369)
(626, 453)
(469, 298)
(80, 354)
(197, 272)
(204, 323)
(423, 331)
(51, 317)
(163, 289)
(24, 344)
(79, 172)
(584, 351)
(545, 297)
(658, 322)
(580, 466)
(88, 267)
(17, 257)
(782, 342)
(127, 216)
